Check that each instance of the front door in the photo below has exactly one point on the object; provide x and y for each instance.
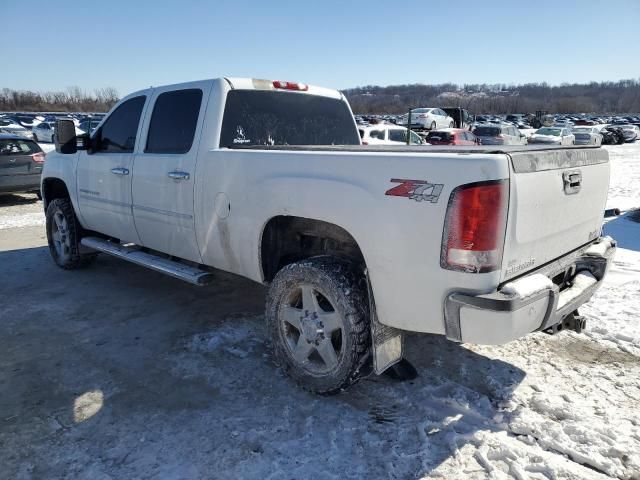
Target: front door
(104, 175)
(164, 169)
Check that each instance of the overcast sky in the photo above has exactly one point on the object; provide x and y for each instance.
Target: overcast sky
(132, 44)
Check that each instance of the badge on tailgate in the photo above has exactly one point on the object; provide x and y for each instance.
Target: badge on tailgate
(418, 190)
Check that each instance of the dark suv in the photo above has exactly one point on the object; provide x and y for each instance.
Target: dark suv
(21, 162)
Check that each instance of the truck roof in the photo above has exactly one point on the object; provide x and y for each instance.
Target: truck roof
(239, 83)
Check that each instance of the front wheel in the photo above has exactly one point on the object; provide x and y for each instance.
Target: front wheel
(63, 235)
(318, 318)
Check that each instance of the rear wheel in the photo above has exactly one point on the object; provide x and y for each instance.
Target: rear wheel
(433, 126)
(35, 137)
(451, 125)
(63, 235)
(317, 315)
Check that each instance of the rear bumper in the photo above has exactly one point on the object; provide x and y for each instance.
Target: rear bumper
(530, 303)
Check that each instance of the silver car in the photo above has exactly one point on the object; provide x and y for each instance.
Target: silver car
(587, 135)
(499, 134)
(553, 136)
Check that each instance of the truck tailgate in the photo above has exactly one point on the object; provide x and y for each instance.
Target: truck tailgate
(557, 201)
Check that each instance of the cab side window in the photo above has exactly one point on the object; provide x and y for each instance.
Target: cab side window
(118, 133)
(173, 122)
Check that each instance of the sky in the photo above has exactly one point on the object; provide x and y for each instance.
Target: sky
(133, 44)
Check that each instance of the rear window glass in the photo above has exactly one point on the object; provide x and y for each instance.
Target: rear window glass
(18, 147)
(398, 135)
(487, 131)
(173, 122)
(438, 136)
(257, 117)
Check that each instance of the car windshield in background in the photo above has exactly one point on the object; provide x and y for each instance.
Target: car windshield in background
(17, 147)
(549, 131)
(258, 117)
(487, 131)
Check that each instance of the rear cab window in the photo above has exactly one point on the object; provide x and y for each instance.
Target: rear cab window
(173, 121)
(259, 118)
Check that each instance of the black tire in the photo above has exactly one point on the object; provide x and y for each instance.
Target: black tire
(63, 235)
(451, 125)
(340, 297)
(35, 137)
(433, 126)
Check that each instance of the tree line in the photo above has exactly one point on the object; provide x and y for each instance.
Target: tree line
(74, 99)
(595, 97)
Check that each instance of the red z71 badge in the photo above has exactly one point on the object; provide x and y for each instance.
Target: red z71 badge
(418, 190)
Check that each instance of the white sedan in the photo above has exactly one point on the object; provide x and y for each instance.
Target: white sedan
(429, 118)
(587, 135)
(553, 136)
(43, 132)
(387, 134)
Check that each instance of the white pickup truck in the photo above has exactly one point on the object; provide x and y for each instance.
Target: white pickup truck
(358, 244)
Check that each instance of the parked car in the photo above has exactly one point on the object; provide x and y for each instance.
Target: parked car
(268, 180)
(9, 126)
(499, 134)
(427, 118)
(452, 136)
(89, 125)
(44, 132)
(553, 136)
(387, 134)
(587, 135)
(21, 163)
(629, 132)
(612, 135)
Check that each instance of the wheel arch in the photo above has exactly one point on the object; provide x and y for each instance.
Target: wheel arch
(52, 188)
(286, 239)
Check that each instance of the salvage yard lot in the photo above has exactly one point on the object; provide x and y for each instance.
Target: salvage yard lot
(119, 372)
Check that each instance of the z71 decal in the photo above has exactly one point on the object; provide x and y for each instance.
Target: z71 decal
(418, 190)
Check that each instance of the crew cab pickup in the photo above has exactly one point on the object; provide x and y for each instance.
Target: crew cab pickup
(358, 244)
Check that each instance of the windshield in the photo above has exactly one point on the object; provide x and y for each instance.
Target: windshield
(487, 131)
(555, 132)
(258, 117)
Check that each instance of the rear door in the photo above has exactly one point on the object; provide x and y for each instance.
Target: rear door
(557, 201)
(104, 176)
(164, 168)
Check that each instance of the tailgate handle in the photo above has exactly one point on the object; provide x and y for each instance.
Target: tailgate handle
(572, 182)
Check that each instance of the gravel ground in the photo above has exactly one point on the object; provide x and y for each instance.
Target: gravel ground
(119, 372)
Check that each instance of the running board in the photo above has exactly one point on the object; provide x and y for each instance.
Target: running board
(155, 262)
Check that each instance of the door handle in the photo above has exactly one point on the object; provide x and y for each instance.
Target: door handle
(120, 171)
(178, 175)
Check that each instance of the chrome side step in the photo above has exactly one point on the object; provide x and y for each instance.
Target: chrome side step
(160, 264)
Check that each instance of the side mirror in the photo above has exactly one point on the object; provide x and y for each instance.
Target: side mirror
(65, 137)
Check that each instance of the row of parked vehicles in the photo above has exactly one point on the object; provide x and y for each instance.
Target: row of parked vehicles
(456, 126)
(40, 127)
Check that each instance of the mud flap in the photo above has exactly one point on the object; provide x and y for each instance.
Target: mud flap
(388, 342)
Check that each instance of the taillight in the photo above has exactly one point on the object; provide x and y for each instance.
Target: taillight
(303, 87)
(422, 115)
(38, 157)
(475, 225)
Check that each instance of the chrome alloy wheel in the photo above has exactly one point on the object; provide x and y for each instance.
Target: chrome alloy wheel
(313, 330)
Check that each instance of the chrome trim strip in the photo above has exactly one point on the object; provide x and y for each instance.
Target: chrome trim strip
(104, 200)
(163, 212)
